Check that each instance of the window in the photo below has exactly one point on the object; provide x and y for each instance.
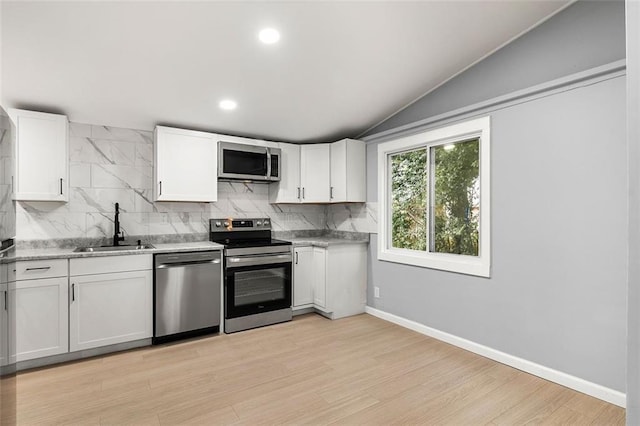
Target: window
(434, 199)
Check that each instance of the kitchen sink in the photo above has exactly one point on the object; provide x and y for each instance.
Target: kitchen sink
(113, 248)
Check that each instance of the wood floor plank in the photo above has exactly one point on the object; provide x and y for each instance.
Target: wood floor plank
(356, 370)
(541, 404)
(509, 394)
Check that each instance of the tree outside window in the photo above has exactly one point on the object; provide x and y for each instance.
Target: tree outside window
(435, 198)
(434, 189)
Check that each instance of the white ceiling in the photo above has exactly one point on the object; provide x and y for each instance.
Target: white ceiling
(339, 68)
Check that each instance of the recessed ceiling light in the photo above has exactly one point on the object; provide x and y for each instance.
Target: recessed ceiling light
(269, 36)
(228, 104)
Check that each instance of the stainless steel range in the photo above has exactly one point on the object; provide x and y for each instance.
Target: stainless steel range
(257, 273)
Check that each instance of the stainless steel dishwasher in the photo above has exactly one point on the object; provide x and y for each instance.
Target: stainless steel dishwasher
(187, 288)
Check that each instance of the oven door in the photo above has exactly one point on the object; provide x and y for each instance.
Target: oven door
(257, 283)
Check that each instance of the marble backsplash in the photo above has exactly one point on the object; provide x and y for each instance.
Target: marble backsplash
(356, 217)
(7, 210)
(109, 165)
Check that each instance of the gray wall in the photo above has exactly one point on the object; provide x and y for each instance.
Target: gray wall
(583, 36)
(557, 292)
(633, 141)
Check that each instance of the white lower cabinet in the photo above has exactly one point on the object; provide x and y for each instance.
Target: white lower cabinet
(4, 317)
(346, 278)
(320, 278)
(110, 307)
(302, 277)
(331, 279)
(38, 324)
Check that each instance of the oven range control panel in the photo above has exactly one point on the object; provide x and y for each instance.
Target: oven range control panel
(228, 224)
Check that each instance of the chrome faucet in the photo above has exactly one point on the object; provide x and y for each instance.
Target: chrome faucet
(117, 234)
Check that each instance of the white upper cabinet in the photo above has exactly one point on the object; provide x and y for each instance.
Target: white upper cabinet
(185, 165)
(315, 173)
(42, 156)
(348, 172)
(287, 190)
(321, 173)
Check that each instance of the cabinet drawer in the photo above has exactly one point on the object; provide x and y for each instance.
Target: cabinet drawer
(35, 269)
(109, 264)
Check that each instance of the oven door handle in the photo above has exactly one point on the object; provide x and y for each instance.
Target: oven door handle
(233, 262)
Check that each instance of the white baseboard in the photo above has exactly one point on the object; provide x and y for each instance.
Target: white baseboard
(564, 379)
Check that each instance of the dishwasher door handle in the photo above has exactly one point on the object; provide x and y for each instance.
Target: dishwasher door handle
(182, 264)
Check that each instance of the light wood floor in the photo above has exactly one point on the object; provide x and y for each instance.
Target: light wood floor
(358, 370)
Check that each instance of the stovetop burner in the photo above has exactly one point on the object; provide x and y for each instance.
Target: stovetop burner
(242, 233)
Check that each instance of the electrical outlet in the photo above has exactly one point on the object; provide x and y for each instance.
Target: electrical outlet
(376, 292)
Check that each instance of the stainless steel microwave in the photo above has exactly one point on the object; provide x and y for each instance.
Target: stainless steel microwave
(248, 162)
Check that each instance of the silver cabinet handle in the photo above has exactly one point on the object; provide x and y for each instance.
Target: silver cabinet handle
(296, 258)
(303, 192)
(6, 302)
(73, 292)
(160, 191)
(43, 268)
(60, 186)
(298, 193)
(331, 192)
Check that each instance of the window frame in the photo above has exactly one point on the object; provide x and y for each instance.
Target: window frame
(471, 265)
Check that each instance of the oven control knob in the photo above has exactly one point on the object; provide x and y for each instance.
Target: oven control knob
(259, 223)
(265, 223)
(226, 224)
(218, 224)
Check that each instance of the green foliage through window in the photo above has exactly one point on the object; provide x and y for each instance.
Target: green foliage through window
(457, 198)
(442, 215)
(408, 200)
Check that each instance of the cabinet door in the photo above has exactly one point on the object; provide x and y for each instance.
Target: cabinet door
(347, 279)
(348, 173)
(315, 173)
(287, 190)
(303, 276)
(110, 308)
(186, 164)
(38, 323)
(4, 325)
(42, 156)
(320, 278)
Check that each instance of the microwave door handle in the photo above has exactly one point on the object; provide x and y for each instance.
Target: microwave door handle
(268, 164)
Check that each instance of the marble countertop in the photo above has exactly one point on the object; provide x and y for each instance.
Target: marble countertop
(67, 253)
(325, 241)
(297, 238)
